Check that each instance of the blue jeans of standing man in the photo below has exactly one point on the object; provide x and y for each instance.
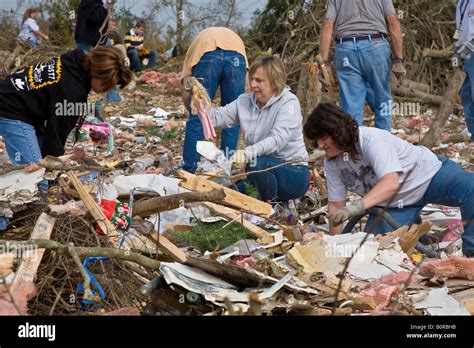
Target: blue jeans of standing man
(217, 68)
(279, 184)
(23, 147)
(360, 65)
(467, 95)
(452, 186)
(136, 60)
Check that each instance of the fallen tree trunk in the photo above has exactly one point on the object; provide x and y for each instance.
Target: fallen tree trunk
(434, 134)
(82, 252)
(428, 52)
(159, 204)
(402, 91)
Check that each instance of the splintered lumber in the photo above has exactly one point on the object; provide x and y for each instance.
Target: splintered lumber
(409, 237)
(29, 265)
(466, 298)
(159, 204)
(22, 288)
(445, 109)
(232, 198)
(171, 249)
(105, 225)
(264, 236)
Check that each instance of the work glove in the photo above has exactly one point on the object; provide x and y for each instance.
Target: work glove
(398, 67)
(354, 209)
(239, 158)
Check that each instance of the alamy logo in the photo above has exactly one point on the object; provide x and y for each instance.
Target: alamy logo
(37, 331)
(74, 109)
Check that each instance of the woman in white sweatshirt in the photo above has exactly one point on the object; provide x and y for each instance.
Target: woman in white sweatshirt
(270, 118)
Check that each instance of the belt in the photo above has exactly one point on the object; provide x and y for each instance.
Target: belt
(360, 38)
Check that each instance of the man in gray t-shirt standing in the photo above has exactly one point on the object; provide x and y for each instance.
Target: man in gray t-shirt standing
(386, 172)
(363, 62)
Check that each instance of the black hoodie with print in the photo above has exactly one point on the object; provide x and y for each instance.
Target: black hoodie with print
(90, 17)
(51, 96)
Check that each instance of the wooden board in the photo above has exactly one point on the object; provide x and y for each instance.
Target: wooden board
(466, 298)
(264, 236)
(233, 198)
(171, 249)
(31, 260)
(105, 225)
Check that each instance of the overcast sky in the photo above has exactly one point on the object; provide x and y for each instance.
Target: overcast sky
(247, 7)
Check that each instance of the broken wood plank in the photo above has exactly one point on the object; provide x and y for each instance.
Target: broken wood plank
(171, 249)
(466, 298)
(264, 236)
(105, 225)
(23, 288)
(233, 198)
(159, 204)
(31, 261)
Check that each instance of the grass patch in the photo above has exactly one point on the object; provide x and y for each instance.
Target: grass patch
(212, 236)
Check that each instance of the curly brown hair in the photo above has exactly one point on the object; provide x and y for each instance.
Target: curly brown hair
(328, 119)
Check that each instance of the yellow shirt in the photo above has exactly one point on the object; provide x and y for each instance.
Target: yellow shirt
(209, 40)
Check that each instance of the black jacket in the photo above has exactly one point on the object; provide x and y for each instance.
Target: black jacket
(90, 17)
(51, 96)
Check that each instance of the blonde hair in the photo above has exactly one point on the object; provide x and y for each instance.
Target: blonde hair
(108, 65)
(273, 68)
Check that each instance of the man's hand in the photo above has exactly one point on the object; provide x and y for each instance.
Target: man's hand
(398, 67)
(140, 47)
(239, 158)
(353, 209)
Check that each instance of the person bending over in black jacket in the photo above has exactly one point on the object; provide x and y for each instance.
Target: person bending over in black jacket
(40, 105)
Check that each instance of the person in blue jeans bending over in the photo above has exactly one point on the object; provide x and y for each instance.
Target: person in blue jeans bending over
(363, 54)
(385, 171)
(270, 118)
(42, 101)
(465, 35)
(217, 58)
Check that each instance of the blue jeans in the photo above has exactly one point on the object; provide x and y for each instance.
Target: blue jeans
(362, 65)
(279, 184)
(136, 60)
(23, 147)
(452, 186)
(467, 95)
(217, 68)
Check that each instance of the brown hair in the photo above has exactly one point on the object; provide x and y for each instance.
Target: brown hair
(140, 24)
(275, 70)
(328, 119)
(108, 65)
(28, 13)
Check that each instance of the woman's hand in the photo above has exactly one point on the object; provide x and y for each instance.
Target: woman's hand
(239, 158)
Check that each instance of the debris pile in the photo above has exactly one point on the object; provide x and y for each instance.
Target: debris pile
(121, 229)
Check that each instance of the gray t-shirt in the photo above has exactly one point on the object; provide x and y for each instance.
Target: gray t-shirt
(381, 153)
(359, 17)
